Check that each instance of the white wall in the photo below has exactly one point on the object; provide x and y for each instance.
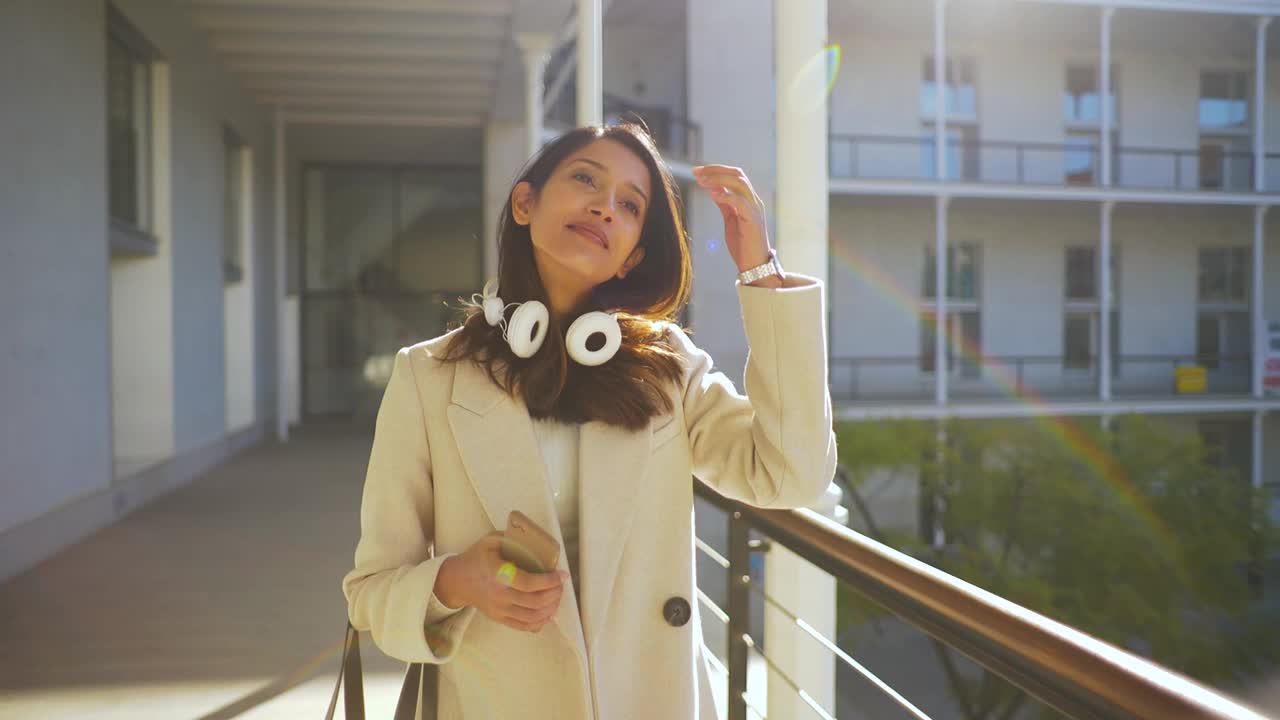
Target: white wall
(55, 378)
(878, 255)
(1020, 70)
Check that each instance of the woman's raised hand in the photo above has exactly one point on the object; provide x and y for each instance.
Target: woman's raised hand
(481, 578)
(746, 231)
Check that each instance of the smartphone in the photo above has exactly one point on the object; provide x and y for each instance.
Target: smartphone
(530, 547)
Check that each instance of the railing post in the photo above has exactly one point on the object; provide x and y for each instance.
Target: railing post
(1260, 105)
(1020, 163)
(1177, 171)
(739, 614)
(1104, 88)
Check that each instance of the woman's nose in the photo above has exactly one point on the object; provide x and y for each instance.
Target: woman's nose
(602, 213)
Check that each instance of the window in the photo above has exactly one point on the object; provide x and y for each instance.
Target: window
(129, 134)
(1081, 99)
(962, 152)
(1082, 274)
(1082, 157)
(1223, 338)
(960, 96)
(962, 272)
(1224, 99)
(1082, 326)
(1081, 331)
(1224, 275)
(964, 338)
(233, 208)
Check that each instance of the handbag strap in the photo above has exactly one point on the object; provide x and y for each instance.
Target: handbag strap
(352, 671)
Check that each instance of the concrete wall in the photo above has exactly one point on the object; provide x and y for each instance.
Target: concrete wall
(1020, 64)
(55, 382)
(878, 255)
(56, 278)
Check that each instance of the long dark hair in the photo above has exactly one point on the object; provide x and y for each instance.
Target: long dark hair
(629, 389)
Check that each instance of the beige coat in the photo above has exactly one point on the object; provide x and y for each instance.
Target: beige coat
(453, 455)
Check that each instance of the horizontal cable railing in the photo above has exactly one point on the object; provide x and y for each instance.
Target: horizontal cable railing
(905, 376)
(1076, 674)
(905, 157)
(672, 132)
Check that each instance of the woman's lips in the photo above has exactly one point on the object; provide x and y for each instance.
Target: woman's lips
(590, 235)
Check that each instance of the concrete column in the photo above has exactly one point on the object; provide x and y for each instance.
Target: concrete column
(803, 196)
(1104, 87)
(941, 207)
(282, 320)
(1257, 308)
(1260, 106)
(1104, 304)
(535, 48)
(1255, 470)
(800, 36)
(505, 150)
(590, 63)
(737, 129)
(939, 88)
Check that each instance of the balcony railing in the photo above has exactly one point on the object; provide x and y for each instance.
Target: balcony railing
(889, 378)
(1076, 674)
(673, 133)
(885, 157)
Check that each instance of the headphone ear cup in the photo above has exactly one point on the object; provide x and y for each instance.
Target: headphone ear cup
(583, 328)
(527, 328)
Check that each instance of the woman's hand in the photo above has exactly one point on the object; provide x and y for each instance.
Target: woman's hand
(520, 600)
(746, 231)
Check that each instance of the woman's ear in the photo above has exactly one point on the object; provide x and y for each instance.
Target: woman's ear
(522, 202)
(634, 259)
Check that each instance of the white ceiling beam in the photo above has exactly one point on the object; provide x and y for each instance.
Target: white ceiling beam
(1257, 8)
(390, 102)
(382, 120)
(481, 8)
(267, 45)
(223, 20)
(378, 69)
(363, 86)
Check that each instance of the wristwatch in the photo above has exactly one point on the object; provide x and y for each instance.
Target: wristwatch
(770, 267)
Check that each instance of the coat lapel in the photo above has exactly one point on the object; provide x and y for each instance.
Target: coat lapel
(494, 435)
(611, 468)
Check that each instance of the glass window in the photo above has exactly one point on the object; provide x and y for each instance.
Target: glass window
(1081, 100)
(128, 132)
(962, 152)
(1224, 274)
(232, 210)
(1224, 99)
(1082, 282)
(960, 96)
(1080, 160)
(964, 333)
(962, 272)
(1077, 341)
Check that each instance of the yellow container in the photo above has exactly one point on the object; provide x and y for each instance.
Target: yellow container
(1190, 379)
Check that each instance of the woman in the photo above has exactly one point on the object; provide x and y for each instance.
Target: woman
(596, 444)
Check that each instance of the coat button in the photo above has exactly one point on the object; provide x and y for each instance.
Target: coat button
(676, 611)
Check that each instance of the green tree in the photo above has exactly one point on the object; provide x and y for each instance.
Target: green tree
(1130, 534)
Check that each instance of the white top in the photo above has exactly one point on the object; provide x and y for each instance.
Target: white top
(558, 442)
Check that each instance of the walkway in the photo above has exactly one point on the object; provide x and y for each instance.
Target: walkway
(221, 599)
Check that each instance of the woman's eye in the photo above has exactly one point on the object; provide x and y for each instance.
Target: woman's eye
(584, 177)
(633, 208)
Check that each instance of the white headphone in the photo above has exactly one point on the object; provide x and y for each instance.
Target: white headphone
(528, 328)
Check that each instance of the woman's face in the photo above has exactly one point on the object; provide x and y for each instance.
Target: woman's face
(586, 221)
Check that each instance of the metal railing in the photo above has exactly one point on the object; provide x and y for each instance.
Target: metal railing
(907, 376)
(673, 133)
(904, 157)
(1066, 669)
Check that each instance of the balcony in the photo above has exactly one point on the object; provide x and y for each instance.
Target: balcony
(1049, 377)
(1207, 169)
